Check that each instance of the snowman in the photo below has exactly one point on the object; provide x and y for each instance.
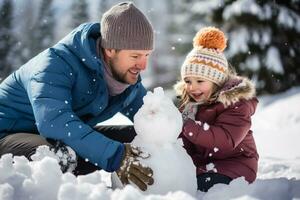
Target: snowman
(158, 124)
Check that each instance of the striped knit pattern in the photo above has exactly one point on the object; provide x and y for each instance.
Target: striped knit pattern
(124, 26)
(209, 64)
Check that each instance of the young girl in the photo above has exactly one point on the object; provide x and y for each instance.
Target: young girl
(217, 106)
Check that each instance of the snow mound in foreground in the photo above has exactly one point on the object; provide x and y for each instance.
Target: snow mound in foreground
(42, 179)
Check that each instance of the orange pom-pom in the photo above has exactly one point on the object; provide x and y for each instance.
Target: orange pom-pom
(210, 37)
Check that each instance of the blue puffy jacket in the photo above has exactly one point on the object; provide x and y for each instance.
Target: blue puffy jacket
(61, 94)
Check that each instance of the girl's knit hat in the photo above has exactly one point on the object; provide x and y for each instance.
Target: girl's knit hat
(206, 60)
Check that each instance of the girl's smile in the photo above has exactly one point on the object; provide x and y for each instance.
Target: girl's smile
(198, 89)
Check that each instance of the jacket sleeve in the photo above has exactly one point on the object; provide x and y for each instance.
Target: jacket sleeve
(229, 129)
(198, 160)
(49, 91)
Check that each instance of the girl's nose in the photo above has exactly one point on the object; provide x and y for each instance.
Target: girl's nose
(191, 86)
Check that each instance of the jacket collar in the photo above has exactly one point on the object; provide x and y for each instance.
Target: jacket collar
(235, 89)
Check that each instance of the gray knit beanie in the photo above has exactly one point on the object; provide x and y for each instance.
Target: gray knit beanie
(125, 27)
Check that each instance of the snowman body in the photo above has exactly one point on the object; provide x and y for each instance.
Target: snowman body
(158, 124)
(172, 169)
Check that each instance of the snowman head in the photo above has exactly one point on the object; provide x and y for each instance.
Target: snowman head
(158, 120)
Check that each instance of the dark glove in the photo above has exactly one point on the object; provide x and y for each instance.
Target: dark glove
(66, 155)
(132, 170)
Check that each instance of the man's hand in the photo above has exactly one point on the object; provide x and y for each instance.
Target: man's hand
(132, 170)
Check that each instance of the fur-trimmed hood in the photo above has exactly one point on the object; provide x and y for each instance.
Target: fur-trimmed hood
(235, 89)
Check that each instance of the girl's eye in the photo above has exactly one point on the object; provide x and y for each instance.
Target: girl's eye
(187, 82)
(199, 81)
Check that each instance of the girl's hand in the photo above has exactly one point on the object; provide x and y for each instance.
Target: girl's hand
(189, 111)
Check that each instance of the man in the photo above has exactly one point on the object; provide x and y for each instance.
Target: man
(58, 97)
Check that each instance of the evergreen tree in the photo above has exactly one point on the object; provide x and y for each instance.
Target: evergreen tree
(79, 13)
(7, 40)
(183, 25)
(24, 27)
(263, 37)
(263, 40)
(43, 30)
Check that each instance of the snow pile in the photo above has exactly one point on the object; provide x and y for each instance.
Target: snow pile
(43, 179)
(276, 125)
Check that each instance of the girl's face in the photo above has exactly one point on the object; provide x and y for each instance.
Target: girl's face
(198, 89)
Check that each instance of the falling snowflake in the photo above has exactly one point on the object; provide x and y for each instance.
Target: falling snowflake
(190, 134)
(210, 166)
(198, 123)
(210, 154)
(207, 179)
(205, 126)
(66, 102)
(216, 149)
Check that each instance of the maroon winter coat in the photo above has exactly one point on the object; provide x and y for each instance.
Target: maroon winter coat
(221, 132)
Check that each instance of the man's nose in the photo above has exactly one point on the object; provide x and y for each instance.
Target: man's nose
(142, 63)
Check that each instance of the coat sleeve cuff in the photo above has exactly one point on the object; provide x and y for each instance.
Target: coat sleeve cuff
(114, 163)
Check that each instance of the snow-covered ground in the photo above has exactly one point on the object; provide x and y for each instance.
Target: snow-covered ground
(276, 126)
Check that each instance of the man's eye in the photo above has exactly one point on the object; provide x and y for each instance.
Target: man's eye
(135, 57)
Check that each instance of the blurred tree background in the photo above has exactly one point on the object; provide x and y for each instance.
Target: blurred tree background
(263, 36)
(7, 39)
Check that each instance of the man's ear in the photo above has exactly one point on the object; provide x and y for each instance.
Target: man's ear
(109, 52)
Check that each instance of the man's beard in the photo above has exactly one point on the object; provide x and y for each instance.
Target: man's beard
(118, 76)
